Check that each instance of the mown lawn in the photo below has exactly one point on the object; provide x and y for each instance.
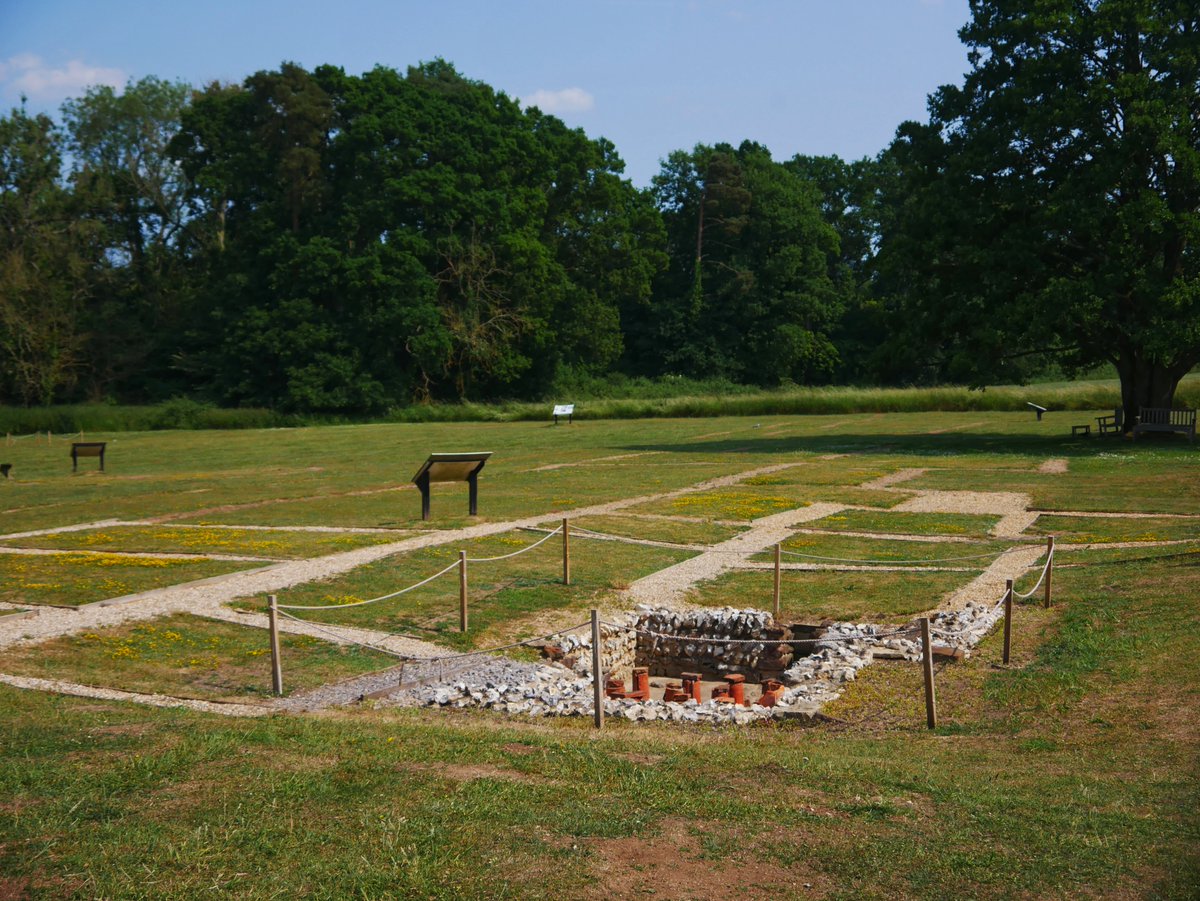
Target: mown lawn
(822, 595)
(503, 595)
(1070, 773)
(187, 656)
(175, 539)
(72, 579)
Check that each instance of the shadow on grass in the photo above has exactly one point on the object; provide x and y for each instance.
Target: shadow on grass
(919, 445)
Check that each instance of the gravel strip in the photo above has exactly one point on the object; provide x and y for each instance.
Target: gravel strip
(402, 645)
(987, 502)
(988, 587)
(667, 587)
(56, 686)
(77, 527)
(895, 478)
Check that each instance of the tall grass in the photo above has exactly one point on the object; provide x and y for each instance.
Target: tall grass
(603, 399)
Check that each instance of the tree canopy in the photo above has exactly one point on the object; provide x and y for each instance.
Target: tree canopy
(1052, 204)
(322, 241)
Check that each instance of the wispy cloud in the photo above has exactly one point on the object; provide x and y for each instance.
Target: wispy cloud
(28, 74)
(568, 100)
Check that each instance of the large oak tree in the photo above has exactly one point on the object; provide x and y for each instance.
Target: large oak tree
(1052, 205)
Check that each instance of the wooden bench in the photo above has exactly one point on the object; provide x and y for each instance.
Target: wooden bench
(87, 449)
(1113, 423)
(1160, 419)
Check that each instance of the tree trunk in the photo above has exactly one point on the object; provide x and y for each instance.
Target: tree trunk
(1146, 383)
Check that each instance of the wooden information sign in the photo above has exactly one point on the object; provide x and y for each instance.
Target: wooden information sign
(451, 468)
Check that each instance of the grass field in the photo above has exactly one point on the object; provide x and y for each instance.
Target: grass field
(1070, 772)
(186, 656)
(73, 579)
(166, 539)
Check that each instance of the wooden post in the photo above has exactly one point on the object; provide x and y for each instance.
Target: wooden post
(778, 556)
(276, 663)
(462, 591)
(1008, 596)
(927, 666)
(1049, 567)
(566, 552)
(597, 675)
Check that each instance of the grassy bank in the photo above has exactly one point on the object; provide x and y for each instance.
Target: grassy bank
(664, 399)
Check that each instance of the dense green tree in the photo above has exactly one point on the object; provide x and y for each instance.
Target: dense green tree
(440, 240)
(1052, 205)
(127, 185)
(47, 252)
(749, 293)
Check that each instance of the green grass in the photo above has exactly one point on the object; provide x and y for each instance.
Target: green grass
(613, 398)
(821, 595)
(503, 596)
(169, 539)
(73, 579)
(849, 547)
(1066, 774)
(187, 656)
(1086, 529)
(1070, 772)
(736, 503)
(703, 533)
(965, 525)
(1103, 476)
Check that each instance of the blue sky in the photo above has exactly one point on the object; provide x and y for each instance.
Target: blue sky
(799, 76)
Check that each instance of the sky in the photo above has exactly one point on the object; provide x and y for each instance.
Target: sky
(798, 76)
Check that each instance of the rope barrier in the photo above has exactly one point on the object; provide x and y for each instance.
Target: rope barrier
(701, 639)
(1041, 579)
(514, 553)
(898, 562)
(382, 597)
(585, 532)
(408, 658)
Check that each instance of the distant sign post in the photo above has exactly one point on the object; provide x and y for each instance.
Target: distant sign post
(567, 410)
(451, 468)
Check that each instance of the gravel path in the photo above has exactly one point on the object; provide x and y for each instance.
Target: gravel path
(667, 587)
(988, 587)
(56, 686)
(895, 478)
(206, 597)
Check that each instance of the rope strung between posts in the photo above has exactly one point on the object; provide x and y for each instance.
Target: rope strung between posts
(342, 638)
(529, 547)
(408, 658)
(382, 597)
(1041, 578)
(702, 639)
(592, 533)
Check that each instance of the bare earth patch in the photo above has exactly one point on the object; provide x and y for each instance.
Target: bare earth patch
(1055, 465)
(670, 864)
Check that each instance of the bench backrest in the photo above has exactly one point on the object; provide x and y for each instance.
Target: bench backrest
(1164, 416)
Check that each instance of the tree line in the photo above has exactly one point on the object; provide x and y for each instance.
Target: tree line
(318, 241)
